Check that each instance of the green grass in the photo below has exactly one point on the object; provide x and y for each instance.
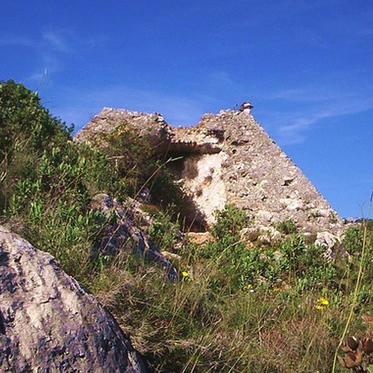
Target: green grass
(213, 321)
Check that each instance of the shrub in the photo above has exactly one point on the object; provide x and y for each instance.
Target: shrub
(47, 180)
(59, 192)
(164, 232)
(27, 129)
(286, 226)
(229, 221)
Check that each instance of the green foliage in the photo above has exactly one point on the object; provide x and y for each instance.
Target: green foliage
(47, 180)
(230, 221)
(288, 263)
(59, 191)
(27, 129)
(353, 239)
(133, 155)
(294, 250)
(164, 232)
(65, 173)
(24, 121)
(287, 226)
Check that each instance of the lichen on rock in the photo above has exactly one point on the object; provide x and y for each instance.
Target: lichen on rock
(48, 323)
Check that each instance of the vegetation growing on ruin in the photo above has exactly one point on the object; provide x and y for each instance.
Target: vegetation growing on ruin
(238, 306)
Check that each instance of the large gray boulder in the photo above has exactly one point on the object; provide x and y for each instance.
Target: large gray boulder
(48, 323)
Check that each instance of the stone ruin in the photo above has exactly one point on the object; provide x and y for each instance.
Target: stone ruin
(228, 158)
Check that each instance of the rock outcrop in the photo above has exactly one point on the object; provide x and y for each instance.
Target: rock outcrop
(111, 121)
(228, 158)
(48, 323)
(125, 232)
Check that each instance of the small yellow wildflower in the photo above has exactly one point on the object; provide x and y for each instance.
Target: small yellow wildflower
(249, 288)
(323, 301)
(187, 276)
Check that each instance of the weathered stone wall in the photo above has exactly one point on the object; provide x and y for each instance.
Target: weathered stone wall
(114, 121)
(229, 158)
(252, 172)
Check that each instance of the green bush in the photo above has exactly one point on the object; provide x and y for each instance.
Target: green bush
(287, 226)
(59, 192)
(25, 122)
(229, 221)
(134, 157)
(164, 232)
(289, 263)
(27, 129)
(47, 180)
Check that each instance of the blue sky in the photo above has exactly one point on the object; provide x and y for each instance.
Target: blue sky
(307, 66)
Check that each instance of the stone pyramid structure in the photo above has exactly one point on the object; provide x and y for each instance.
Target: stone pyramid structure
(229, 158)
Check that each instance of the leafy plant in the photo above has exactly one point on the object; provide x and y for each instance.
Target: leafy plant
(286, 226)
(229, 221)
(27, 129)
(164, 231)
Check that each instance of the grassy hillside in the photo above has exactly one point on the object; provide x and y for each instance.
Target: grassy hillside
(241, 305)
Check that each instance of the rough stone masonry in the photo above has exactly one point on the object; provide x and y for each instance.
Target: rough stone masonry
(228, 158)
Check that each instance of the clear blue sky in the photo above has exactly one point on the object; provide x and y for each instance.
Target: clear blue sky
(307, 66)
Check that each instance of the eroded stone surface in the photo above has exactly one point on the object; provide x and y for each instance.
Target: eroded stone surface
(48, 323)
(229, 158)
(259, 177)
